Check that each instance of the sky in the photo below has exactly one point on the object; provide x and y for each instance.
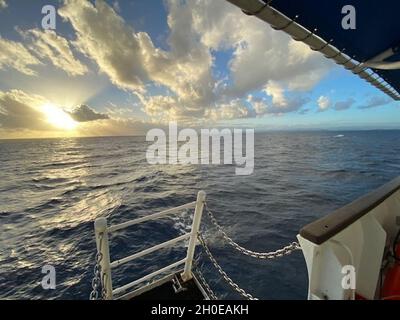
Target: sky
(123, 67)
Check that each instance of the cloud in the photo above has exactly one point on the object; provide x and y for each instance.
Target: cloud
(375, 101)
(292, 104)
(49, 45)
(15, 56)
(277, 92)
(18, 110)
(255, 107)
(104, 37)
(344, 105)
(84, 113)
(260, 53)
(324, 103)
(160, 107)
(232, 110)
(3, 4)
(259, 105)
(22, 115)
(39, 45)
(116, 127)
(268, 73)
(262, 58)
(304, 111)
(130, 58)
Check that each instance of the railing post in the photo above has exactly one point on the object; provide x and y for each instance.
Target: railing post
(100, 227)
(198, 212)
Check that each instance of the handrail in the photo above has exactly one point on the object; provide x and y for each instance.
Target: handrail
(102, 231)
(150, 217)
(149, 250)
(326, 227)
(149, 276)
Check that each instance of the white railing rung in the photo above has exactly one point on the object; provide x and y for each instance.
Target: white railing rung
(150, 250)
(102, 240)
(149, 276)
(150, 217)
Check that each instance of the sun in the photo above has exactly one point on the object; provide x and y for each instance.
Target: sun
(58, 117)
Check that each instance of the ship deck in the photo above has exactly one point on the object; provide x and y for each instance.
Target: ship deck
(164, 290)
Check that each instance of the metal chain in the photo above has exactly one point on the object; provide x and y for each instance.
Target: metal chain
(241, 291)
(205, 284)
(103, 288)
(202, 279)
(96, 282)
(259, 255)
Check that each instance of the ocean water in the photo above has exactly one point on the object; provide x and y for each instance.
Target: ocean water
(52, 190)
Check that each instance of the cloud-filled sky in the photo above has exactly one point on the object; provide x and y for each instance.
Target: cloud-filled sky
(121, 67)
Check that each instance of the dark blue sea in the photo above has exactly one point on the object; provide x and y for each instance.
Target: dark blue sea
(52, 190)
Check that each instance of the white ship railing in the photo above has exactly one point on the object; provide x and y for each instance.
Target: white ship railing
(351, 242)
(102, 231)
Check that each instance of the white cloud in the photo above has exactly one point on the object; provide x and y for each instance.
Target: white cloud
(130, 58)
(375, 101)
(14, 55)
(49, 45)
(344, 105)
(104, 37)
(39, 45)
(277, 92)
(294, 104)
(116, 127)
(19, 110)
(3, 4)
(260, 53)
(323, 103)
(160, 107)
(232, 110)
(262, 57)
(259, 105)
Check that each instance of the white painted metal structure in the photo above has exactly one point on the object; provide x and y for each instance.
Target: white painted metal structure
(281, 22)
(361, 245)
(379, 63)
(102, 239)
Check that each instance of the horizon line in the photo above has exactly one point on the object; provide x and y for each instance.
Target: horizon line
(256, 132)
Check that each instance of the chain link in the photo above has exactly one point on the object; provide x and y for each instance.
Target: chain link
(201, 278)
(259, 255)
(96, 282)
(103, 288)
(239, 290)
(205, 284)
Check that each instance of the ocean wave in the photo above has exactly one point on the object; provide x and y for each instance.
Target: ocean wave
(47, 207)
